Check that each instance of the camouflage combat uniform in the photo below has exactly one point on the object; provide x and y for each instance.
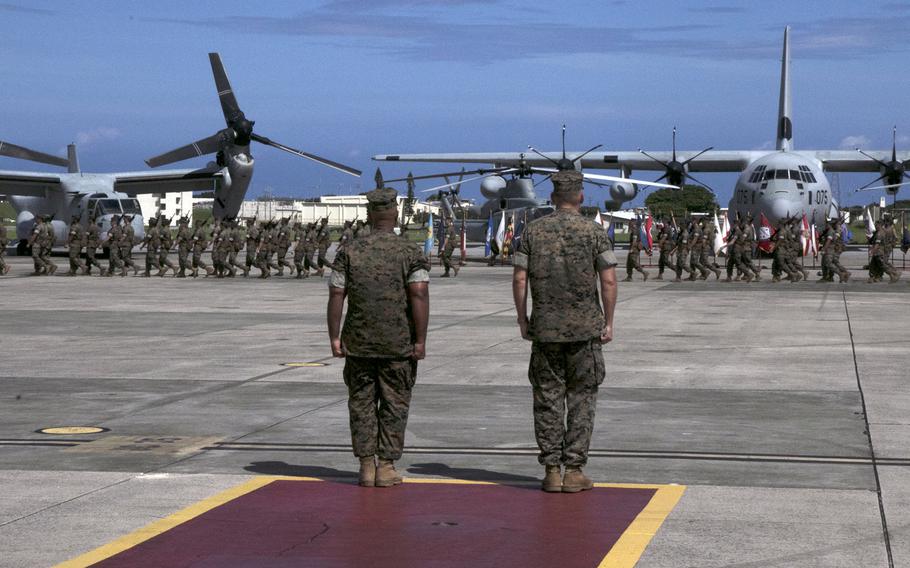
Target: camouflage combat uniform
(4, 241)
(882, 245)
(167, 242)
(237, 240)
(127, 240)
(300, 252)
(452, 241)
(322, 244)
(252, 242)
(114, 235)
(696, 248)
(152, 243)
(184, 247)
(664, 244)
(92, 242)
(633, 260)
(200, 243)
(75, 239)
(682, 254)
(282, 245)
(563, 254)
(378, 337)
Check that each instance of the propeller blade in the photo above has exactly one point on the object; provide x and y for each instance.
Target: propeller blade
(876, 180)
(693, 178)
(614, 179)
(890, 186)
(873, 158)
(661, 162)
(325, 162)
(543, 180)
(229, 106)
(447, 185)
(462, 172)
(202, 147)
(708, 149)
(598, 184)
(551, 160)
(13, 151)
(575, 160)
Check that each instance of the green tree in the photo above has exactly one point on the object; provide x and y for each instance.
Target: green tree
(689, 199)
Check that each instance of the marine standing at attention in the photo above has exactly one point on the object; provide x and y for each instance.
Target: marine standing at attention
(385, 280)
(565, 257)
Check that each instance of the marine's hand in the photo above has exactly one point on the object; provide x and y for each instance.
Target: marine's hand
(337, 348)
(606, 336)
(523, 326)
(420, 351)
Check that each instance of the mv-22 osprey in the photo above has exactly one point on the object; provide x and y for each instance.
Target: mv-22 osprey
(104, 196)
(778, 183)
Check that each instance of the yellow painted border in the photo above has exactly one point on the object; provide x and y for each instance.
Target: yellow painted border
(635, 539)
(624, 553)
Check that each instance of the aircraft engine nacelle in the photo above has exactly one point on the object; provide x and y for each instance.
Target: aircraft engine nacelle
(621, 192)
(25, 220)
(491, 186)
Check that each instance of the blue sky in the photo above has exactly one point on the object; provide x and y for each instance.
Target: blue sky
(349, 79)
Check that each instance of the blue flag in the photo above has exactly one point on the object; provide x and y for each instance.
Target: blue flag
(846, 234)
(488, 250)
(611, 234)
(428, 244)
(519, 230)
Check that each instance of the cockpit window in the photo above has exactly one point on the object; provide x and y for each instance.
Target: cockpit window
(109, 206)
(130, 206)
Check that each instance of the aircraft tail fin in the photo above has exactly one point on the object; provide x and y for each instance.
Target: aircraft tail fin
(784, 122)
(72, 159)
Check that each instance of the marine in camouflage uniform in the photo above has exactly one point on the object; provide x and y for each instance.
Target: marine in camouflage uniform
(385, 280)
(741, 240)
(265, 250)
(200, 243)
(322, 245)
(114, 235)
(682, 255)
(237, 241)
(282, 245)
(151, 242)
(47, 244)
(882, 245)
(36, 242)
(218, 249)
(184, 246)
(633, 260)
(126, 243)
(707, 248)
(696, 247)
(782, 253)
(568, 326)
(664, 243)
(831, 243)
(252, 242)
(75, 240)
(92, 242)
(300, 252)
(452, 241)
(4, 241)
(167, 242)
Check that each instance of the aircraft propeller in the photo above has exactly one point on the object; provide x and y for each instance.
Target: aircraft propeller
(13, 151)
(895, 171)
(239, 131)
(676, 172)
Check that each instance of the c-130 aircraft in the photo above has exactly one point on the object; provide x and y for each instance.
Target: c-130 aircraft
(104, 196)
(780, 183)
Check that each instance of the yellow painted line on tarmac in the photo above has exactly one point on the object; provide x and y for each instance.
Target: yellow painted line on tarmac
(161, 526)
(635, 539)
(70, 430)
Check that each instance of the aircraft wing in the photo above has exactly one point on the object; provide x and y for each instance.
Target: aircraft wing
(133, 183)
(712, 161)
(851, 160)
(37, 184)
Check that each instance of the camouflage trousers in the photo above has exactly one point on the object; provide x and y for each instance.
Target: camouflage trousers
(183, 258)
(664, 262)
(197, 259)
(742, 259)
(75, 254)
(91, 260)
(565, 378)
(114, 262)
(633, 262)
(151, 261)
(126, 257)
(880, 264)
(3, 264)
(323, 260)
(447, 259)
(163, 261)
(379, 397)
(232, 261)
(682, 263)
(282, 259)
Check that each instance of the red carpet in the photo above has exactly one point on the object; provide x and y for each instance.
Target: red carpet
(324, 524)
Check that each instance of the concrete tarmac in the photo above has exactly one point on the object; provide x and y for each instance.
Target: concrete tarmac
(784, 408)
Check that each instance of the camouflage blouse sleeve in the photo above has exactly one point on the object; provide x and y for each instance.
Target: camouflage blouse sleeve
(418, 267)
(524, 251)
(339, 272)
(604, 258)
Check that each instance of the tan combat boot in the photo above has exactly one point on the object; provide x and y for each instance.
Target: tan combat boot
(368, 471)
(575, 480)
(552, 480)
(386, 476)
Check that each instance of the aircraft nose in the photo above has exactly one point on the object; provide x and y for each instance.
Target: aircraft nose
(782, 208)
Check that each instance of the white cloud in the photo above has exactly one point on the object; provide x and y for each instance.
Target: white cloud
(100, 134)
(851, 142)
(766, 145)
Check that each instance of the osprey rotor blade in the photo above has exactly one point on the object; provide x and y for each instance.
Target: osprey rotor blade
(447, 185)
(13, 151)
(229, 106)
(202, 147)
(614, 179)
(324, 161)
(485, 171)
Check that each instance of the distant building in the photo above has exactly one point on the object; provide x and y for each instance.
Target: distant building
(172, 205)
(338, 209)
